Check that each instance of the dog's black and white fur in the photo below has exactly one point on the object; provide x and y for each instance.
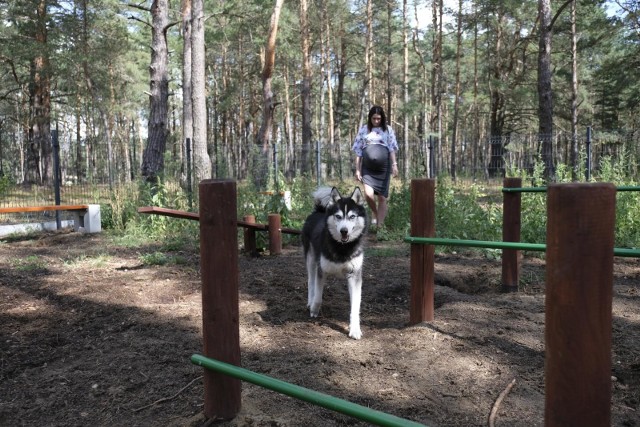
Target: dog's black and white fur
(333, 246)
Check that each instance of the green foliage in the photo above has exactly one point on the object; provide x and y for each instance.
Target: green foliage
(30, 264)
(627, 230)
(95, 260)
(121, 209)
(533, 228)
(5, 184)
(155, 258)
(397, 224)
(466, 212)
(132, 229)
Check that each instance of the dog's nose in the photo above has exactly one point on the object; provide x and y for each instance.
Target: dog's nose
(344, 231)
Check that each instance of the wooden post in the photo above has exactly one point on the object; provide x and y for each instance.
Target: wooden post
(511, 223)
(580, 239)
(275, 234)
(422, 256)
(220, 311)
(250, 245)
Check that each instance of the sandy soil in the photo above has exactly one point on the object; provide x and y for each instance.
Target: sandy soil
(92, 335)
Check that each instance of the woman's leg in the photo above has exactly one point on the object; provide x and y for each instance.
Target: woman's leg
(382, 209)
(371, 200)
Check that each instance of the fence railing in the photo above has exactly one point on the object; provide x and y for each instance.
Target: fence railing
(85, 175)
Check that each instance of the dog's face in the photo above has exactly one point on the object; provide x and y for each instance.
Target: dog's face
(346, 216)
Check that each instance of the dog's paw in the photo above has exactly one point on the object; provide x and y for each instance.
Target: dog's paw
(314, 310)
(355, 333)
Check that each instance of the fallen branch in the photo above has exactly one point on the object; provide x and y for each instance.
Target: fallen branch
(496, 405)
(164, 399)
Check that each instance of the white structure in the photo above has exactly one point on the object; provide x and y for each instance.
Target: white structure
(85, 221)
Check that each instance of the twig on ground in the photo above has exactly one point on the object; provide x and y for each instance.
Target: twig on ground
(496, 405)
(164, 399)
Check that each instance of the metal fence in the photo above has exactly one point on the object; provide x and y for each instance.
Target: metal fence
(89, 176)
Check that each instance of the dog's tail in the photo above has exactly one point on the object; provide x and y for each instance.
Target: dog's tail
(322, 198)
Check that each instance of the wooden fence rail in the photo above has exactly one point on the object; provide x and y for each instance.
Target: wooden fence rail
(273, 228)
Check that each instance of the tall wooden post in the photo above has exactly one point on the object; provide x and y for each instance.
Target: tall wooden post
(580, 226)
(220, 311)
(250, 245)
(511, 224)
(275, 234)
(422, 256)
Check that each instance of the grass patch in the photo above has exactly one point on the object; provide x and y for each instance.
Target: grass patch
(30, 264)
(97, 261)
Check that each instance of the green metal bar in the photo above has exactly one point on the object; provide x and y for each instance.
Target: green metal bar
(540, 247)
(544, 189)
(320, 399)
(626, 252)
(524, 189)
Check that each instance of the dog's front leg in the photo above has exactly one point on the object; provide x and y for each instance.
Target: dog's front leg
(355, 294)
(312, 278)
(318, 288)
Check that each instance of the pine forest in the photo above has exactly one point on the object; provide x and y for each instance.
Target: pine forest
(186, 90)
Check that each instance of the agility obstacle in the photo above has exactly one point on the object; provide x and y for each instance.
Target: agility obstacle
(511, 224)
(273, 228)
(579, 288)
(578, 317)
(489, 244)
(543, 189)
(220, 318)
(319, 399)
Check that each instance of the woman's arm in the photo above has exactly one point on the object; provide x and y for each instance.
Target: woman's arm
(358, 171)
(392, 144)
(394, 164)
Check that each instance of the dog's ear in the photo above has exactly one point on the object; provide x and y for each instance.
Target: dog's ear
(356, 196)
(335, 196)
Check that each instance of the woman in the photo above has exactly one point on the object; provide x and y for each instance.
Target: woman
(375, 147)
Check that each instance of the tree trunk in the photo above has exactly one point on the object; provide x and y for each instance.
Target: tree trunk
(335, 156)
(497, 108)
(341, 69)
(39, 166)
(389, 53)
(153, 157)
(289, 165)
(477, 149)
(574, 94)
(187, 105)
(268, 102)
(201, 159)
(367, 84)
(79, 166)
(436, 82)
(306, 88)
(405, 90)
(456, 103)
(424, 111)
(322, 101)
(545, 96)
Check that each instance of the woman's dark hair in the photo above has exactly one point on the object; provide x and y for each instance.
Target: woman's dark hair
(376, 109)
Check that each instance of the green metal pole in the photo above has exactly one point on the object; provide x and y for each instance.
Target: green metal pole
(477, 243)
(539, 247)
(301, 393)
(524, 189)
(628, 188)
(544, 189)
(626, 252)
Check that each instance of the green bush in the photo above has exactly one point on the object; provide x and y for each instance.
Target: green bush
(464, 210)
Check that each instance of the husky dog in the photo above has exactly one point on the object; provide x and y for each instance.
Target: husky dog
(332, 237)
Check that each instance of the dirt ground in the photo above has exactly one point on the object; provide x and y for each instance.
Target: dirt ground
(92, 335)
